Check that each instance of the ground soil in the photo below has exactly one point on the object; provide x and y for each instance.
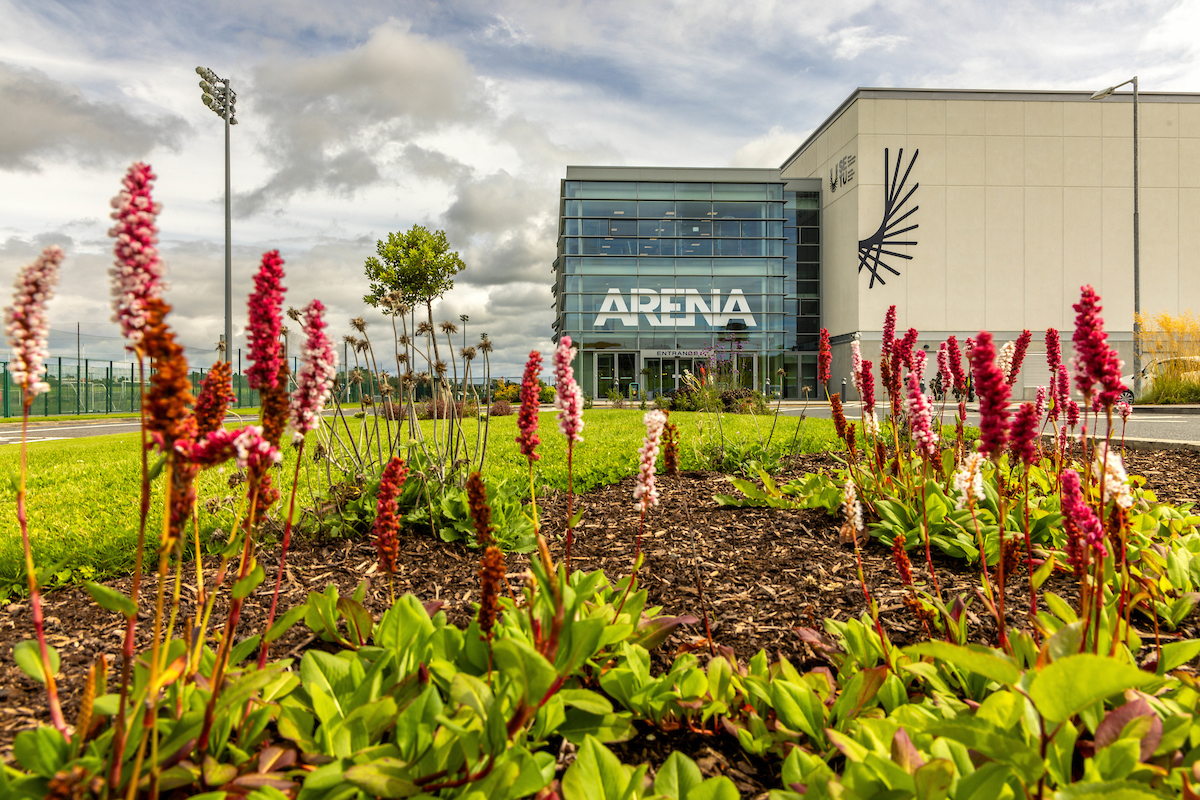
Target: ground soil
(764, 573)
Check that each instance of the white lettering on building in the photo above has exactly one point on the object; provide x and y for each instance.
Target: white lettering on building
(668, 305)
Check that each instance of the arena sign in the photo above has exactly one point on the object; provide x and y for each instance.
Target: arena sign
(675, 308)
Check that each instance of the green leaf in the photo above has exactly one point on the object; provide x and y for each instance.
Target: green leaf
(933, 780)
(597, 774)
(980, 661)
(519, 661)
(282, 624)
(1110, 790)
(383, 777)
(1071, 684)
(29, 659)
(244, 587)
(677, 776)
(111, 599)
(1176, 654)
(43, 751)
(586, 700)
(718, 788)
(979, 735)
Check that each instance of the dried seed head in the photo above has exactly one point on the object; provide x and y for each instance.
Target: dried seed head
(440, 368)
(359, 324)
(468, 353)
(293, 313)
(448, 327)
(485, 345)
(424, 328)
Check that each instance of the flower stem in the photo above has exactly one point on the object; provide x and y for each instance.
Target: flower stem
(287, 538)
(35, 599)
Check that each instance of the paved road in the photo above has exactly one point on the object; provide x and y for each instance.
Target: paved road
(1144, 425)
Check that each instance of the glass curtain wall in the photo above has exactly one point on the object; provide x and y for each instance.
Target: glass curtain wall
(680, 266)
(802, 302)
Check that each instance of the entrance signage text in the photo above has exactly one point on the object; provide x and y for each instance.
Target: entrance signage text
(675, 308)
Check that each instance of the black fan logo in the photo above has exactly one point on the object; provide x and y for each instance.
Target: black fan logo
(871, 250)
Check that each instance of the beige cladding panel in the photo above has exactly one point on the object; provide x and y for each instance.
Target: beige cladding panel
(1021, 203)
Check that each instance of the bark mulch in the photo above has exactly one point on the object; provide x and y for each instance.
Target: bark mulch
(764, 572)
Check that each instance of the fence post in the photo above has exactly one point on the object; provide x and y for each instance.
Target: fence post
(131, 366)
(108, 381)
(4, 367)
(59, 389)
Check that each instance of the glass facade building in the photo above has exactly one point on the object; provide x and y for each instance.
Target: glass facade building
(660, 270)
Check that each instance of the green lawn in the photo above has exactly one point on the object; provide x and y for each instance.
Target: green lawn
(83, 494)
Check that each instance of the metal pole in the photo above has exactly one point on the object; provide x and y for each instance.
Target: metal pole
(228, 229)
(1137, 273)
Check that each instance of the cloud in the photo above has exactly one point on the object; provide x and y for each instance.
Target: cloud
(850, 43)
(44, 118)
(769, 149)
(331, 118)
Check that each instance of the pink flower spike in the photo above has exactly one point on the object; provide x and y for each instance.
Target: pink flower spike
(993, 393)
(889, 332)
(645, 489)
(1095, 361)
(25, 321)
(1053, 350)
(866, 382)
(920, 412)
(856, 367)
(1018, 356)
(568, 398)
(527, 417)
(824, 358)
(137, 273)
(1023, 434)
(314, 382)
(266, 323)
(956, 370)
(1082, 528)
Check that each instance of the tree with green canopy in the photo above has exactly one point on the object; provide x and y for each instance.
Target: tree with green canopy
(418, 264)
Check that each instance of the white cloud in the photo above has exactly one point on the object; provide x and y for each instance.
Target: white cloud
(768, 150)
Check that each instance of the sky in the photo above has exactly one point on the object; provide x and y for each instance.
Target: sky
(357, 119)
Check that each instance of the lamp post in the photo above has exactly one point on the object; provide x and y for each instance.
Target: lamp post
(221, 98)
(1137, 282)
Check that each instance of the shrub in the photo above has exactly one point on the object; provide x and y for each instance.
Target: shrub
(501, 408)
(547, 395)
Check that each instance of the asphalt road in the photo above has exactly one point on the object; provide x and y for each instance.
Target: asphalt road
(1144, 425)
(1158, 425)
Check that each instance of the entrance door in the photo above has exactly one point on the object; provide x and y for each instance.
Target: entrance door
(614, 372)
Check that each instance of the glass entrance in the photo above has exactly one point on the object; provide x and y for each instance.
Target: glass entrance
(614, 372)
(665, 374)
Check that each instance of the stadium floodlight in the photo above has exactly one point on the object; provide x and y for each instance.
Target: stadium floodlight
(218, 95)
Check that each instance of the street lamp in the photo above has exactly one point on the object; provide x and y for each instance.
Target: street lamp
(221, 98)
(464, 319)
(1137, 282)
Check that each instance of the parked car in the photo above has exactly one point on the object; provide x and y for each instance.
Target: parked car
(1183, 367)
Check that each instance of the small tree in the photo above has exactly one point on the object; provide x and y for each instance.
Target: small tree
(418, 264)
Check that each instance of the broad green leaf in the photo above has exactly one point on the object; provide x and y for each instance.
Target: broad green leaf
(111, 599)
(980, 661)
(677, 776)
(244, 587)
(520, 662)
(281, 625)
(1176, 654)
(1071, 684)
(933, 780)
(718, 788)
(1110, 790)
(29, 659)
(383, 777)
(979, 735)
(43, 751)
(597, 774)
(586, 700)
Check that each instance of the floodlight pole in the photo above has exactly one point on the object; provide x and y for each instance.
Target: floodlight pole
(219, 96)
(1137, 273)
(228, 228)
